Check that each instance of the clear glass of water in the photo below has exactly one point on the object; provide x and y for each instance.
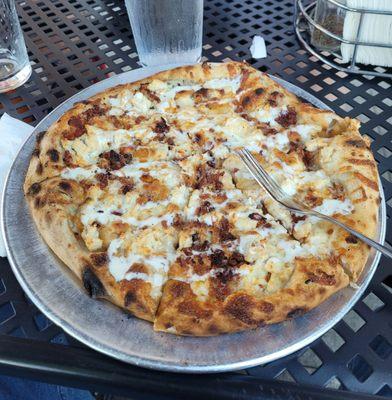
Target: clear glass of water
(15, 67)
(167, 31)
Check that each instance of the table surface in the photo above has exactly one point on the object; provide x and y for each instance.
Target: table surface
(74, 44)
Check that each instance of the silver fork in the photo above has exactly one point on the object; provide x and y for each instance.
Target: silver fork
(272, 187)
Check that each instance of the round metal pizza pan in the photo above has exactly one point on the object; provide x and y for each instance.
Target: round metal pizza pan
(107, 329)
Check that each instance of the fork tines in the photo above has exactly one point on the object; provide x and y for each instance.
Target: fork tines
(260, 174)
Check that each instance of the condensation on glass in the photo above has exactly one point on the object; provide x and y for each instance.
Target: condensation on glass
(15, 67)
(167, 31)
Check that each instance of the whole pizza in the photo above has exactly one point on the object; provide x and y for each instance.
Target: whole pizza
(139, 191)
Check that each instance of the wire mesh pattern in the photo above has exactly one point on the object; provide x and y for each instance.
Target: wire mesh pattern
(74, 44)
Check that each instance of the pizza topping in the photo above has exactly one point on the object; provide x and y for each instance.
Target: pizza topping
(267, 129)
(99, 259)
(256, 217)
(205, 208)
(337, 191)
(67, 158)
(273, 98)
(103, 180)
(321, 278)
(287, 118)
(94, 111)
(161, 126)
(147, 92)
(112, 160)
(78, 128)
(308, 158)
(296, 218)
(224, 234)
(127, 187)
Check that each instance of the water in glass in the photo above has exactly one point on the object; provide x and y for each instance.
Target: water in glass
(15, 68)
(167, 31)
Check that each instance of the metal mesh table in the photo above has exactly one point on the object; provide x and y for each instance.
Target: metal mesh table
(76, 43)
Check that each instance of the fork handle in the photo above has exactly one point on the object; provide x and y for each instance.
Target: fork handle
(378, 246)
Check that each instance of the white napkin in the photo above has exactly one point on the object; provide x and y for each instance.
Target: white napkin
(12, 134)
(258, 48)
(375, 28)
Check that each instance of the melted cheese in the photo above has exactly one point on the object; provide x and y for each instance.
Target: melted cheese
(332, 207)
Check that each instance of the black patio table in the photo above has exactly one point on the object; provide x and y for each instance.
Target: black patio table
(73, 44)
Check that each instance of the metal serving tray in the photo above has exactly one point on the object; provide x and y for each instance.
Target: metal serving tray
(107, 329)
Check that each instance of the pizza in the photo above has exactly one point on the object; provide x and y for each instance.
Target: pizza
(139, 191)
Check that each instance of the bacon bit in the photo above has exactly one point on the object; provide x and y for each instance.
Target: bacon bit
(261, 221)
(76, 122)
(197, 245)
(297, 148)
(148, 93)
(267, 129)
(263, 224)
(256, 217)
(161, 127)
(263, 208)
(95, 111)
(312, 200)
(220, 198)
(322, 278)
(67, 158)
(115, 160)
(78, 128)
(268, 277)
(236, 259)
(273, 97)
(218, 259)
(178, 222)
(99, 259)
(225, 276)
(102, 180)
(224, 233)
(294, 136)
(206, 178)
(140, 119)
(127, 188)
(309, 159)
(296, 218)
(119, 213)
(205, 208)
(337, 191)
(287, 118)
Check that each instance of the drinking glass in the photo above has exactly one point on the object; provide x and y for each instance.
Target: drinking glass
(15, 67)
(167, 31)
